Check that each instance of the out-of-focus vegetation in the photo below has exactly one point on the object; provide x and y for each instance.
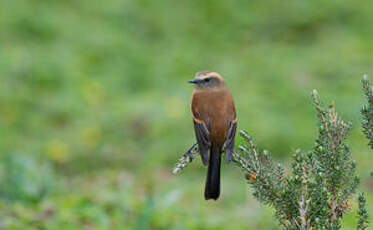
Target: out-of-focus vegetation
(94, 104)
(367, 111)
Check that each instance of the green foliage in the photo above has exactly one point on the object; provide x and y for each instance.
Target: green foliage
(268, 178)
(25, 179)
(362, 213)
(317, 193)
(367, 111)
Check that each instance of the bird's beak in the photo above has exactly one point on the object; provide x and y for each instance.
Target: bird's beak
(194, 81)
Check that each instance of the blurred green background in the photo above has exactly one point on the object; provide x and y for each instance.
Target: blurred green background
(94, 104)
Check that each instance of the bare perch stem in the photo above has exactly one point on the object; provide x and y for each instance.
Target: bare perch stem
(193, 151)
(187, 158)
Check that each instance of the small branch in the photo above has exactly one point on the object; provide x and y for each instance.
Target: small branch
(186, 159)
(362, 213)
(304, 204)
(193, 151)
(255, 161)
(241, 161)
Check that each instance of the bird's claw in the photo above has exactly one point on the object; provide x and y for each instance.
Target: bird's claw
(189, 153)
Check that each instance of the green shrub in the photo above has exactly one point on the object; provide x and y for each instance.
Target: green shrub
(25, 179)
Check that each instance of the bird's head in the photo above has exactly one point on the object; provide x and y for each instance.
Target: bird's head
(207, 80)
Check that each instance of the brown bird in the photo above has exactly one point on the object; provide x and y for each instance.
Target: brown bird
(215, 124)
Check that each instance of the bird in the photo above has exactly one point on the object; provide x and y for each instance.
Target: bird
(215, 125)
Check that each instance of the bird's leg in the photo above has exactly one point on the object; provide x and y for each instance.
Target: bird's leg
(187, 158)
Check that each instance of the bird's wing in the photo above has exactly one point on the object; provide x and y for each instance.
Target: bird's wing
(231, 134)
(203, 138)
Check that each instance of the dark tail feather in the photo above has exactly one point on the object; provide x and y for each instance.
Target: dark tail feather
(212, 187)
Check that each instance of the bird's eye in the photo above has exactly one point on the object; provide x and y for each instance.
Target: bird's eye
(207, 79)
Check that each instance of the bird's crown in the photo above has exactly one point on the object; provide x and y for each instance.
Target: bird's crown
(207, 74)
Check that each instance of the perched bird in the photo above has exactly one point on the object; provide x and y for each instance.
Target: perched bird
(215, 124)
